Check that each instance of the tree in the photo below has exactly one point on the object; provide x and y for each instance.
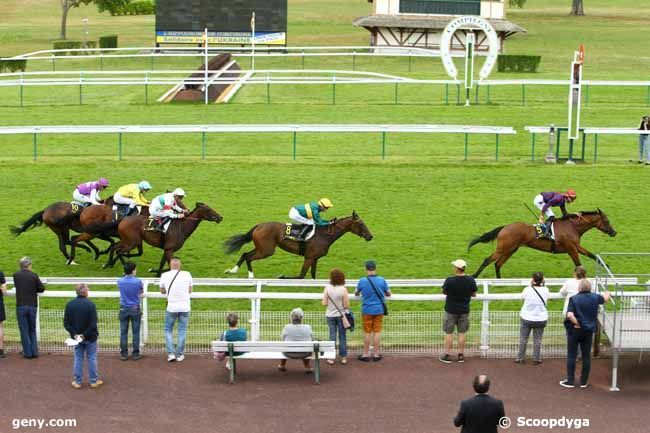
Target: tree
(102, 5)
(517, 3)
(576, 8)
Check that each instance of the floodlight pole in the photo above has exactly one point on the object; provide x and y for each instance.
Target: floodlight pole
(205, 48)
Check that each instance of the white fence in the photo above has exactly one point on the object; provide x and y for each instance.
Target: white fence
(492, 333)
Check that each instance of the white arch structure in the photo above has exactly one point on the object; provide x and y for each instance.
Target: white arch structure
(472, 23)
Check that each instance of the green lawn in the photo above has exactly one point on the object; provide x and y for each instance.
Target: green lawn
(423, 203)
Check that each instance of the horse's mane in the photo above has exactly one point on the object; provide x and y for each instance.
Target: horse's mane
(584, 212)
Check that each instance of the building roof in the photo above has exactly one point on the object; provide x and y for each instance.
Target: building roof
(436, 22)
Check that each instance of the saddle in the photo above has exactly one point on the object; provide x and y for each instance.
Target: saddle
(544, 231)
(78, 207)
(155, 224)
(122, 211)
(298, 232)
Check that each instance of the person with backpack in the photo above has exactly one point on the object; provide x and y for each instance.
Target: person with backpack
(373, 290)
(533, 317)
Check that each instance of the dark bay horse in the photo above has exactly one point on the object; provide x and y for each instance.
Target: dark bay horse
(92, 218)
(568, 231)
(60, 217)
(132, 232)
(267, 236)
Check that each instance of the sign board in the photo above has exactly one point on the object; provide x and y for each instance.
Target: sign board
(469, 23)
(227, 21)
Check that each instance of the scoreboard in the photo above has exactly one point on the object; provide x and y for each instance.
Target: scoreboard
(227, 21)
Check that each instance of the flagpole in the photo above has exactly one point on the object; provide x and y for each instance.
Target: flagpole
(205, 45)
(253, 41)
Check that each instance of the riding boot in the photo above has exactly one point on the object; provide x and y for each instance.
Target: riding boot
(305, 232)
(161, 225)
(131, 211)
(549, 227)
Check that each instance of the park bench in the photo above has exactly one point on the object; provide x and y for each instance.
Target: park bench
(274, 350)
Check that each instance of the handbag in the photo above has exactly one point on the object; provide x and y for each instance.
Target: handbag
(345, 317)
(169, 289)
(383, 304)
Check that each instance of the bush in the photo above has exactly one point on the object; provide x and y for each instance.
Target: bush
(507, 63)
(66, 45)
(140, 7)
(13, 65)
(90, 46)
(109, 41)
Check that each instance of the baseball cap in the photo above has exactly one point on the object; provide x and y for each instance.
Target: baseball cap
(371, 265)
(459, 263)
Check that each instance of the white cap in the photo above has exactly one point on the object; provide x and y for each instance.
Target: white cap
(179, 192)
(459, 263)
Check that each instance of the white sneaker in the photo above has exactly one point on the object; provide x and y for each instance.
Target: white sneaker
(171, 357)
(180, 358)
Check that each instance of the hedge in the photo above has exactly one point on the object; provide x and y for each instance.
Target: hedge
(142, 7)
(66, 45)
(13, 65)
(508, 63)
(109, 41)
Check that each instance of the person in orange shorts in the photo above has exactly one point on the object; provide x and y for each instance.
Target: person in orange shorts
(373, 290)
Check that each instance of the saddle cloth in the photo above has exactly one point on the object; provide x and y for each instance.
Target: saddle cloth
(153, 224)
(540, 231)
(298, 232)
(78, 207)
(121, 210)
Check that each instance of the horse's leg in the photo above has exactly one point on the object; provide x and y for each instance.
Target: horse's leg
(84, 237)
(313, 269)
(253, 255)
(235, 268)
(575, 256)
(305, 267)
(501, 261)
(138, 254)
(492, 258)
(64, 239)
(582, 250)
(167, 255)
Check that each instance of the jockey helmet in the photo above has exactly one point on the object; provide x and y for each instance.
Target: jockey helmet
(144, 186)
(102, 182)
(571, 194)
(178, 192)
(325, 203)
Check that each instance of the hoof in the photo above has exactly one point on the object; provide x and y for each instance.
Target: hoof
(251, 275)
(71, 262)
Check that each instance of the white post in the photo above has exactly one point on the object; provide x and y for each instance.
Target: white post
(258, 308)
(144, 329)
(38, 319)
(253, 42)
(205, 49)
(469, 65)
(485, 322)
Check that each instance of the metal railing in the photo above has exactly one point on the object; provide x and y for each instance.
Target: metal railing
(492, 333)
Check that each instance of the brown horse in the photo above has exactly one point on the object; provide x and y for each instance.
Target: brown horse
(60, 218)
(93, 217)
(268, 236)
(568, 231)
(132, 232)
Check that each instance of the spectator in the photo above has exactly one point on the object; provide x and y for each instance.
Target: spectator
(533, 316)
(233, 333)
(80, 320)
(28, 285)
(177, 285)
(459, 290)
(3, 316)
(644, 141)
(481, 413)
(373, 290)
(570, 286)
(296, 331)
(582, 316)
(336, 298)
(131, 290)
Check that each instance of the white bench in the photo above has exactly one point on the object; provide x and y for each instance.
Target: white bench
(274, 350)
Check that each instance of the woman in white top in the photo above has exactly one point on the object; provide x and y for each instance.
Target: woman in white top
(534, 316)
(336, 298)
(570, 287)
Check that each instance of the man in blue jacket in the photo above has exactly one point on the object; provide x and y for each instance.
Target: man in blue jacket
(310, 215)
(80, 320)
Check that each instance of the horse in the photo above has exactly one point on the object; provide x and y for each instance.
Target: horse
(132, 232)
(93, 217)
(60, 217)
(267, 236)
(568, 231)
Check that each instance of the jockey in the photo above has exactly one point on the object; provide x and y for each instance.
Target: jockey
(309, 214)
(88, 193)
(545, 200)
(132, 195)
(168, 205)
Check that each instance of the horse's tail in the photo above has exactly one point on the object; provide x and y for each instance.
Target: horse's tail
(99, 228)
(35, 221)
(485, 237)
(234, 243)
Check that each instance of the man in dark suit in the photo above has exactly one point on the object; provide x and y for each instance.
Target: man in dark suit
(481, 413)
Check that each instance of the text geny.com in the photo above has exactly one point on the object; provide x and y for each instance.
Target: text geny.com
(42, 423)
